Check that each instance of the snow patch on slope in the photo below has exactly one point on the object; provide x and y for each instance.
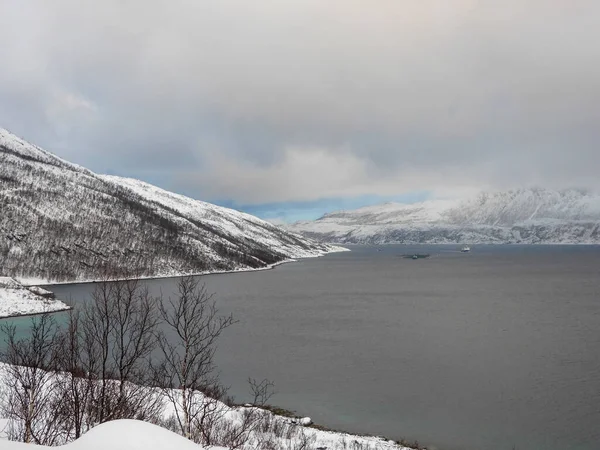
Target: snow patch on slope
(17, 300)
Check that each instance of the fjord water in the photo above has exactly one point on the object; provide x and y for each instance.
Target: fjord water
(491, 349)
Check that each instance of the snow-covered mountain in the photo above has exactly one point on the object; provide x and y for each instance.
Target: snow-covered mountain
(60, 221)
(527, 216)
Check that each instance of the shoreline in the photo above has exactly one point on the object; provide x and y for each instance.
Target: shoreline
(18, 316)
(490, 244)
(29, 282)
(17, 300)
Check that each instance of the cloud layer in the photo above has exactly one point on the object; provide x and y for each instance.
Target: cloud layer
(281, 100)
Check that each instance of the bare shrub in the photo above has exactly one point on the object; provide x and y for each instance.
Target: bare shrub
(188, 373)
(118, 333)
(32, 405)
(62, 382)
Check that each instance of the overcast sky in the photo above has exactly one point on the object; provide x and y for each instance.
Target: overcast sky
(290, 108)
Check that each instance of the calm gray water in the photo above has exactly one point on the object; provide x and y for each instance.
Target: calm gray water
(487, 350)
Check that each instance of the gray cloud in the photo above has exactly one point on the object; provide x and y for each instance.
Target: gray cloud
(295, 100)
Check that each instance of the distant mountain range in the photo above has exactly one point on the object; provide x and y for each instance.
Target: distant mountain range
(525, 216)
(62, 222)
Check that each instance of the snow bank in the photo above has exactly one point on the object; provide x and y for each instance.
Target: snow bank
(125, 434)
(17, 300)
(120, 435)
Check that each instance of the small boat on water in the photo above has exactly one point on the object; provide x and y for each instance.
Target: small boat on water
(465, 249)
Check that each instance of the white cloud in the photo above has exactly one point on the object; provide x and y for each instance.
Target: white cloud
(308, 173)
(303, 98)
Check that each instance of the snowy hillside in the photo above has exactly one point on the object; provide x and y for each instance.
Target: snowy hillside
(528, 216)
(62, 222)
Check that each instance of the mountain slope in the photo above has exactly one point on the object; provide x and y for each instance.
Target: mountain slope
(528, 216)
(60, 221)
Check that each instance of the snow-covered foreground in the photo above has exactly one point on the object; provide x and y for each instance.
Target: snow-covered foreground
(120, 435)
(17, 300)
(127, 434)
(270, 432)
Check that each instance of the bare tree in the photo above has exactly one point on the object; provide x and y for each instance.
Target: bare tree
(236, 434)
(62, 382)
(118, 334)
(74, 384)
(188, 373)
(31, 404)
(261, 391)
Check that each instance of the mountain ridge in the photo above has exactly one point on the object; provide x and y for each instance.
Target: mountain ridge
(528, 216)
(62, 222)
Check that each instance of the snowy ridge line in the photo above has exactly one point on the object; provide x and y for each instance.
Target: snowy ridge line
(154, 192)
(18, 145)
(213, 214)
(523, 216)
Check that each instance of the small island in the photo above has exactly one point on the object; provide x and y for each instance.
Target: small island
(416, 256)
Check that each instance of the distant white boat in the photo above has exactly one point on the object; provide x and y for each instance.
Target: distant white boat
(465, 249)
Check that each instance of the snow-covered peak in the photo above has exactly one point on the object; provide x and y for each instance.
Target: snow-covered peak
(391, 212)
(522, 215)
(516, 206)
(10, 143)
(488, 208)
